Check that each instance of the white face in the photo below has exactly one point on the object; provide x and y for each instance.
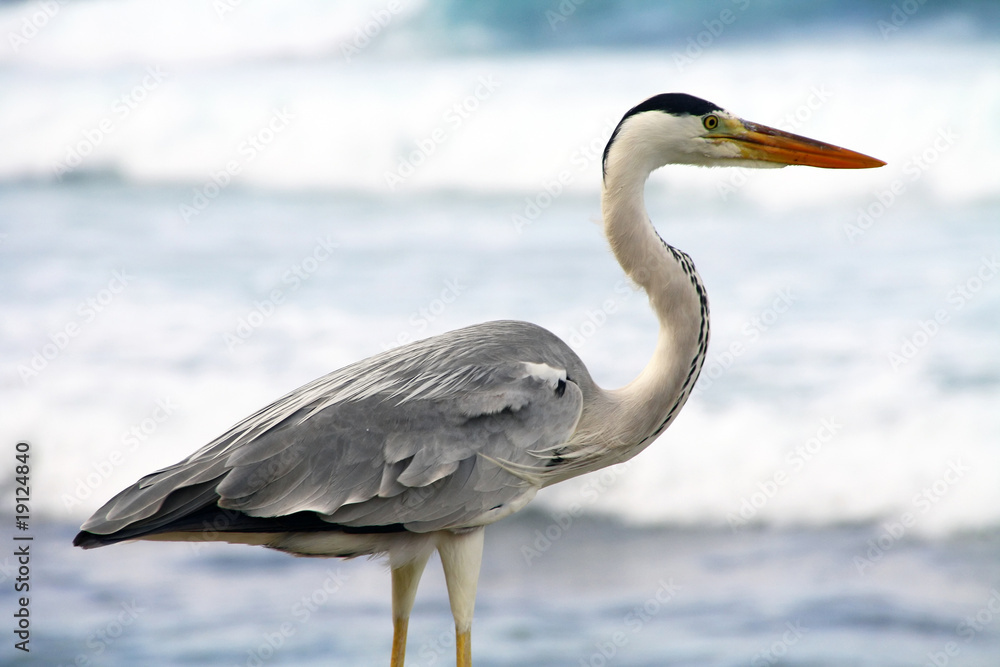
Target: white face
(652, 139)
(648, 140)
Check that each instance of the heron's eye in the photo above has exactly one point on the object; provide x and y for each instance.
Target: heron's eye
(710, 122)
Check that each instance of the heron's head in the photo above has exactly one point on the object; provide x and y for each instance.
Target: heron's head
(675, 128)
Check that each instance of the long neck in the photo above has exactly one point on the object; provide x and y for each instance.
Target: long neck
(648, 404)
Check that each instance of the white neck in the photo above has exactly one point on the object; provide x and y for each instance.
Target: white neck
(647, 405)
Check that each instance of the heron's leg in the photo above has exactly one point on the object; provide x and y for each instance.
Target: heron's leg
(405, 578)
(461, 556)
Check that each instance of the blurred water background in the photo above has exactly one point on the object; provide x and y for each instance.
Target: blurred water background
(204, 205)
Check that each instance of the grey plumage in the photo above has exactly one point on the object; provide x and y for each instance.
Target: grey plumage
(418, 448)
(438, 434)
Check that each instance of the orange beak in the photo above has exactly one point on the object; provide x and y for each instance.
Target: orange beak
(767, 144)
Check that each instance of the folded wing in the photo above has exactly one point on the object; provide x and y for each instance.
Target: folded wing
(443, 433)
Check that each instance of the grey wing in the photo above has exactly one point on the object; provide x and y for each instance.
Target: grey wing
(426, 439)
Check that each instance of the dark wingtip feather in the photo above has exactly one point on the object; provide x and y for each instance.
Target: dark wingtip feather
(87, 540)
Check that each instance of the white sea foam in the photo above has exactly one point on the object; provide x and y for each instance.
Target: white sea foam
(810, 424)
(82, 101)
(275, 144)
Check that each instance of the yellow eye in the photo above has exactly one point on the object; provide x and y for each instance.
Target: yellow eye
(711, 122)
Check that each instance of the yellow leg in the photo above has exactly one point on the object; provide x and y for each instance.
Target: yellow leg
(405, 578)
(398, 641)
(463, 648)
(461, 556)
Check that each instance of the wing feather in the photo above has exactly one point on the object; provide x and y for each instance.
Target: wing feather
(426, 436)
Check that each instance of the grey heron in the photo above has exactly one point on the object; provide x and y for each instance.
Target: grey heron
(420, 447)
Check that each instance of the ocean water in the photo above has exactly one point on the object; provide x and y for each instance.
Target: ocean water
(204, 206)
(593, 593)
